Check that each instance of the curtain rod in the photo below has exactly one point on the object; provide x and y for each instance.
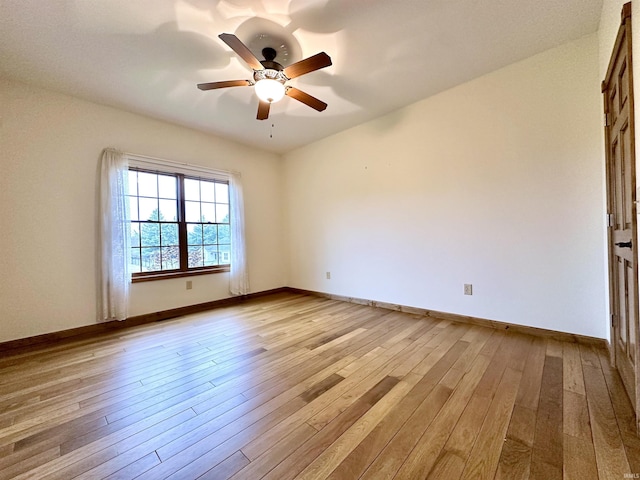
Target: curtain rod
(190, 166)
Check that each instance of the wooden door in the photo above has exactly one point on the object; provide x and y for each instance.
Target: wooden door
(617, 89)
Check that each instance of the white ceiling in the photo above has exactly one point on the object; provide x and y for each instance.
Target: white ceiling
(147, 56)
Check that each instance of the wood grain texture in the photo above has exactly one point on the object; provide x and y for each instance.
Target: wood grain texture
(547, 457)
(291, 386)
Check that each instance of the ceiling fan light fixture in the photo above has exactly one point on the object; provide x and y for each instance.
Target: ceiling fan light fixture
(270, 90)
(269, 76)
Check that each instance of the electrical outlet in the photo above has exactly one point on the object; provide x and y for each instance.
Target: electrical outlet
(468, 289)
(189, 284)
(328, 275)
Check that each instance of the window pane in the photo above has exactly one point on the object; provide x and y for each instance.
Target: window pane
(167, 186)
(147, 184)
(222, 213)
(210, 256)
(210, 234)
(133, 182)
(151, 259)
(154, 209)
(224, 234)
(194, 234)
(170, 258)
(207, 191)
(169, 233)
(195, 257)
(133, 208)
(168, 211)
(135, 234)
(192, 211)
(208, 212)
(222, 193)
(135, 260)
(150, 234)
(148, 209)
(191, 189)
(224, 251)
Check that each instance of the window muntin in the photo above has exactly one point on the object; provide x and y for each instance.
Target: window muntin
(179, 224)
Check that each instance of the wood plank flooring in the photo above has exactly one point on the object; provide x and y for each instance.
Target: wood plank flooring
(293, 386)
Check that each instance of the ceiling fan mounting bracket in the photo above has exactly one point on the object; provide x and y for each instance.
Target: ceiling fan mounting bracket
(269, 54)
(269, 62)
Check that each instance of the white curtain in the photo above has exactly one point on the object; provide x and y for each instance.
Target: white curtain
(239, 278)
(115, 235)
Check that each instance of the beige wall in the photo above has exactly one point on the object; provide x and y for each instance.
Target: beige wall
(497, 183)
(51, 146)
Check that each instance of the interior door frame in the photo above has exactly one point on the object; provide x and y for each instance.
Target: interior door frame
(624, 31)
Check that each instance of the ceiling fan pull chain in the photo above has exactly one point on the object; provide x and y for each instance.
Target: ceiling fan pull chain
(271, 132)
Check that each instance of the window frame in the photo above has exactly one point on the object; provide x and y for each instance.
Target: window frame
(183, 247)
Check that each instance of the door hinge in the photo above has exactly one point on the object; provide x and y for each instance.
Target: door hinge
(609, 220)
(613, 320)
(607, 119)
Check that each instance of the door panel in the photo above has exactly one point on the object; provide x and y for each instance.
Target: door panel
(617, 89)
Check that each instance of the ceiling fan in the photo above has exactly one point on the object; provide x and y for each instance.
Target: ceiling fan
(269, 77)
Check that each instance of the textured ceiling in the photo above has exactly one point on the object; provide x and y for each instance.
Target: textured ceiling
(147, 56)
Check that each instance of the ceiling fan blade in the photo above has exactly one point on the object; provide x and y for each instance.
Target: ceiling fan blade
(263, 110)
(225, 84)
(241, 49)
(316, 62)
(307, 99)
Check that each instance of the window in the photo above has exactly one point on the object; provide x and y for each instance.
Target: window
(179, 224)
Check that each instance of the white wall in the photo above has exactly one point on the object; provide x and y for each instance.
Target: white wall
(51, 145)
(497, 182)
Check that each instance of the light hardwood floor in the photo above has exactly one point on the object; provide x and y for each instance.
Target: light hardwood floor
(293, 386)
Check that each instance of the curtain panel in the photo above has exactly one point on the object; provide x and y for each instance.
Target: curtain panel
(239, 276)
(115, 236)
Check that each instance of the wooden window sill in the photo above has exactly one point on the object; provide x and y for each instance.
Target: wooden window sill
(151, 276)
